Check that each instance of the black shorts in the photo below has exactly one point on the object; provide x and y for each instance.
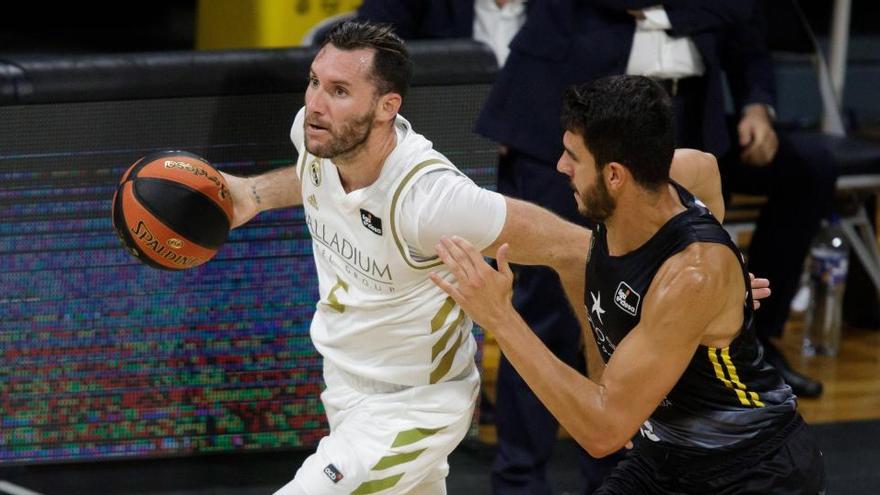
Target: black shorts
(787, 462)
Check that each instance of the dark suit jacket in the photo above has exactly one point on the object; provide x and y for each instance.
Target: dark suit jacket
(423, 19)
(564, 42)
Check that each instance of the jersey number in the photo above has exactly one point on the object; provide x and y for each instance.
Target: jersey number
(333, 300)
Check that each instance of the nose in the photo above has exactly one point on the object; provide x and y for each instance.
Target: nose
(314, 101)
(562, 167)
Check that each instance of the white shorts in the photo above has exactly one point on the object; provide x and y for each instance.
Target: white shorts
(388, 441)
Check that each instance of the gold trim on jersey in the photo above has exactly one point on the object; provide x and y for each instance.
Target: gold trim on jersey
(437, 322)
(389, 461)
(407, 437)
(731, 380)
(414, 435)
(446, 361)
(441, 344)
(440, 318)
(394, 199)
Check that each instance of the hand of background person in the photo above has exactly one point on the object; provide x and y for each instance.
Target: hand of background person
(757, 138)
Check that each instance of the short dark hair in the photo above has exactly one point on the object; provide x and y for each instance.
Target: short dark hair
(392, 66)
(624, 119)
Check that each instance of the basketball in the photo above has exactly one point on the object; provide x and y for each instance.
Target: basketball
(172, 210)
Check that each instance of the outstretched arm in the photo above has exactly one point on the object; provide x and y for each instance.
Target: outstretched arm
(274, 189)
(538, 236)
(602, 416)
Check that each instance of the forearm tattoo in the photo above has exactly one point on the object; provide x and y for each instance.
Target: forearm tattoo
(256, 195)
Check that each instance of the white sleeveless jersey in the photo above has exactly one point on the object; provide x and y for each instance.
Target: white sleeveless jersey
(379, 316)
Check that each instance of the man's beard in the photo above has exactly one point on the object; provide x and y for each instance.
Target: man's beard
(351, 135)
(596, 203)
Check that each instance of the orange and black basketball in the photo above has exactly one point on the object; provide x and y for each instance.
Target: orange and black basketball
(172, 210)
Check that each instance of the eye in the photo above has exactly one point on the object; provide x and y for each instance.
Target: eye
(340, 91)
(313, 82)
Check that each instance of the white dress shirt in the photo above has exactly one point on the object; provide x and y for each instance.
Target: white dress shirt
(657, 55)
(496, 26)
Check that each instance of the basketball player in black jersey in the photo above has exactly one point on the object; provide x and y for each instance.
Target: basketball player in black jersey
(668, 300)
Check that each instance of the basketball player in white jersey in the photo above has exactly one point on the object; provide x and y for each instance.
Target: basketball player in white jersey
(398, 352)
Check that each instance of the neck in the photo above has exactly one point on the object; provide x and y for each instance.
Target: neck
(361, 167)
(638, 218)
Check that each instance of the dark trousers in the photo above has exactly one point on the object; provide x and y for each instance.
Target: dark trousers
(799, 185)
(526, 429)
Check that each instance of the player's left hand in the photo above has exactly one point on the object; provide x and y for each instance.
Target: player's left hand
(760, 289)
(482, 292)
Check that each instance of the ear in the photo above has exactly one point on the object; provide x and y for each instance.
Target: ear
(389, 105)
(616, 175)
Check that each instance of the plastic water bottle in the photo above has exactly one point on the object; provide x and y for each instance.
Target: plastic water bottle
(829, 263)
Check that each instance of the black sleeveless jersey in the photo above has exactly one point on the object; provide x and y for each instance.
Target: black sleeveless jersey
(726, 395)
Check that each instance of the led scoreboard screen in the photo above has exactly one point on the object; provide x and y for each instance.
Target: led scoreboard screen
(103, 357)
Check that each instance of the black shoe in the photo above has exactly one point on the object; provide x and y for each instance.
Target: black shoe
(801, 385)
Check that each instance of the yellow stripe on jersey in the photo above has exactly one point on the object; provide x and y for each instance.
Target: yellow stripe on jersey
(414, 435)
(731, 370)
(407, 437)
(719, 373)
(395, 198)
(446, 361)
(440, 318)
(390, 461)
(745, 396)
(441, 344)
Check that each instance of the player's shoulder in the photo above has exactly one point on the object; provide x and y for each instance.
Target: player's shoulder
(417, 161)
(699, 268)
